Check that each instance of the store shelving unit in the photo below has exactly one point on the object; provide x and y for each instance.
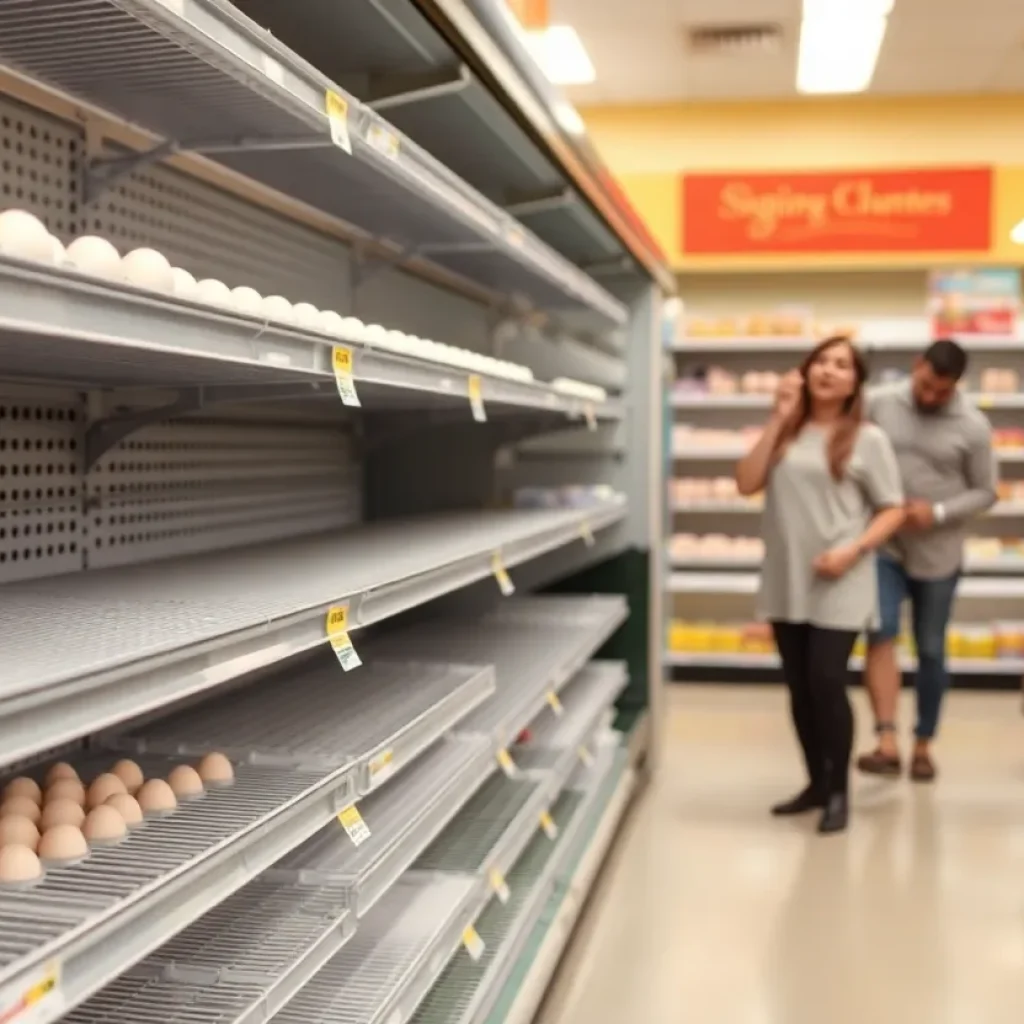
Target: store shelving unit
(296, 546)
(716, 585)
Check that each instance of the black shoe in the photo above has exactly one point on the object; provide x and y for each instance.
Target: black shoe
(836, 814)
(808, 800)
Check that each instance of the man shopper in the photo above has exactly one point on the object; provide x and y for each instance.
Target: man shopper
(943, 445)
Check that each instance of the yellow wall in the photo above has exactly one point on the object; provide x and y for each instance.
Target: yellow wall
(649, 147)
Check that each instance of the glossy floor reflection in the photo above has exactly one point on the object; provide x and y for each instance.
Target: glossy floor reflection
(711, 912)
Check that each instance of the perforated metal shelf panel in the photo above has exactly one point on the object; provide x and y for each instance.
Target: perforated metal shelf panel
(536, 645)
(312, 715)
(404, 816)
(397, 953)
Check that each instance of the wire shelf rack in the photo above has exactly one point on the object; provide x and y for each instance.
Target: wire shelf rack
(396, 955)
(403, 817)
(138, 637)
(379, 717)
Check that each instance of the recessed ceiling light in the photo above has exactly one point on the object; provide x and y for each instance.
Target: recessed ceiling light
(839, 44)
(562, 56)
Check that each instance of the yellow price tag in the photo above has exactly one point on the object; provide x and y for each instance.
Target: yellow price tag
(508, 766)
(337, 619)
(587, 534)
(586, 756)
(548, 826)
(500, 886)
(385, 142)
(338, 638)
(475, 389)
(556, 703)
(354, 825)
(590, 416)
(21, 1001)
(986, 402)
(337, 117)
(382, 766)
(343, 362)
(505, 584)
(475, 946)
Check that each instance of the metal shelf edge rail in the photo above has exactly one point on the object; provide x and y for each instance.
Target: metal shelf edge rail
(715, 659)
(39, 717)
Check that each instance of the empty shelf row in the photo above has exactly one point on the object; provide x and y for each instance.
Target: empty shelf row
(135, 638)
(201, 75)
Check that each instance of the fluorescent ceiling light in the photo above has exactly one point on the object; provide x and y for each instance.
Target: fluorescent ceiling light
(562, 56)
(839, 44)
(1017, 233)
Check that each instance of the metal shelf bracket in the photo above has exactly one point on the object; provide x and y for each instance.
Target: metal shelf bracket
(436, 90)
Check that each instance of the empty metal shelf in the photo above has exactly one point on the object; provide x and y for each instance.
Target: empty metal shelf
(404, 817)
(198, 73)
(378, 718)
(138, 637)
(397, 953)
(536, 645)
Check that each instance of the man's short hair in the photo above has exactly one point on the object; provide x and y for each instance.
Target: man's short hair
(946, 358)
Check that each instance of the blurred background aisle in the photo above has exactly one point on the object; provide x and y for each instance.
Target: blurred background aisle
(710, 912)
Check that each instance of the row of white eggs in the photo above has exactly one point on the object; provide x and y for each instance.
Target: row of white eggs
(24, 236)
(579, 389)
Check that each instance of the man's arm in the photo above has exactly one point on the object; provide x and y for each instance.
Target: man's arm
(982, 475)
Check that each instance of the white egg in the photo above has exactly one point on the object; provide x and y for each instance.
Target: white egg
(96, 256)
(62, 844)
(398, 341)
(354, 328)
(147, 268)
(247, 300)
(306, 315)
(58, 253)
(331, 323)
(375, 333)
(19, 865)
(183, 284)
(24, 236)
(214, 293)
(277, 307)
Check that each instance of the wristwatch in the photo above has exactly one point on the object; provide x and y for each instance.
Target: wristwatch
(939, 512)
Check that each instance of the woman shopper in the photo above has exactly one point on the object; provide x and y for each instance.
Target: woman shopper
(833, 497)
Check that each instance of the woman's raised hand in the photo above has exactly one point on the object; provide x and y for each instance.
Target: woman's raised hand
(788, 395)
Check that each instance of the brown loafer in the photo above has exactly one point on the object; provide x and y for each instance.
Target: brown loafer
(922, 768)
(877, 763)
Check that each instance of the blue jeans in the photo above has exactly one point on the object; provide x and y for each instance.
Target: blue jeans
(931, 604)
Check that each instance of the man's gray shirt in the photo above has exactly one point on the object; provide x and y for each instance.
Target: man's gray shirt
(945, 457)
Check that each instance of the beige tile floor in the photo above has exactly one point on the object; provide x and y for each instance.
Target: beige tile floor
(711, 912)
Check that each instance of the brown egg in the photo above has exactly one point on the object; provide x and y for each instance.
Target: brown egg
(60, 770)
(62, 812)
(23, 807)
(62, 845)
(24, 786)
(186, 782)
(128, 807)
(215, 770)
(156, 798)
(130, 774)
(19, 865)
(102, 787)
(104, 826)
(67, 789)
(18, 831)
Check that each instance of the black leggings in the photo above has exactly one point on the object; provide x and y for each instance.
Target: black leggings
(814, 662)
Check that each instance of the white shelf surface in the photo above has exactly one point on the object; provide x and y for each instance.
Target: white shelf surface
(98, 918)
(135, 638)
(536, 644)
(958, 666)
(747, 583)
(73, 329)
(200, 73)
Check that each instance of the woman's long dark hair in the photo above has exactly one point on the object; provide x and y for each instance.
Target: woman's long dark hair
(844, 433)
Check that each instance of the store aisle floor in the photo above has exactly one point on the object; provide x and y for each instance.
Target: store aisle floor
(711, 912)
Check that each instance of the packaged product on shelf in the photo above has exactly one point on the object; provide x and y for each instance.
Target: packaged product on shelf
(1009, 639)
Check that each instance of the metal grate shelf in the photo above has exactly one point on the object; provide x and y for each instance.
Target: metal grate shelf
(536, 645)
(199, 73)
(398, 951)
(403, 818)
(69, 328)
(135, 638)
(378, 718)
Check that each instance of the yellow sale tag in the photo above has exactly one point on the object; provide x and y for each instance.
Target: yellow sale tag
(337, 117)
(587, 534)
(586, 756)
(986, 402)
(556, 704)
(476, 397)
(500, 886)
(505, 584)
(475, 946)
(338, 638)
(385, 142)
(342, 363)
(354, 825)
(337, 619)
(37, 997)
(589, 416)
(508, 766)
(548, 826)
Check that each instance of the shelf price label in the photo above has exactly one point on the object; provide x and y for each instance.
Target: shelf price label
(385, 142)
(38, 997)
(475, 946)
(985, 402)
(500, 886)
(382, 766)
(337, 117)
(586, 757)
(548, 826)
(556, 703)
(338, 638)
(475, 388)
(354, 825)
(587, 534)
(342, 363)
(505, 584)
(507, 765)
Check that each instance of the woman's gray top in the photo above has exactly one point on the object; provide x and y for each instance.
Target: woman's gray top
(807, 512)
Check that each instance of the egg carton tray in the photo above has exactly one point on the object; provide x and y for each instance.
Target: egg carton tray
(381, 715)
(240, 963)
(397, 953)
(96, 918)
(403, 817)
